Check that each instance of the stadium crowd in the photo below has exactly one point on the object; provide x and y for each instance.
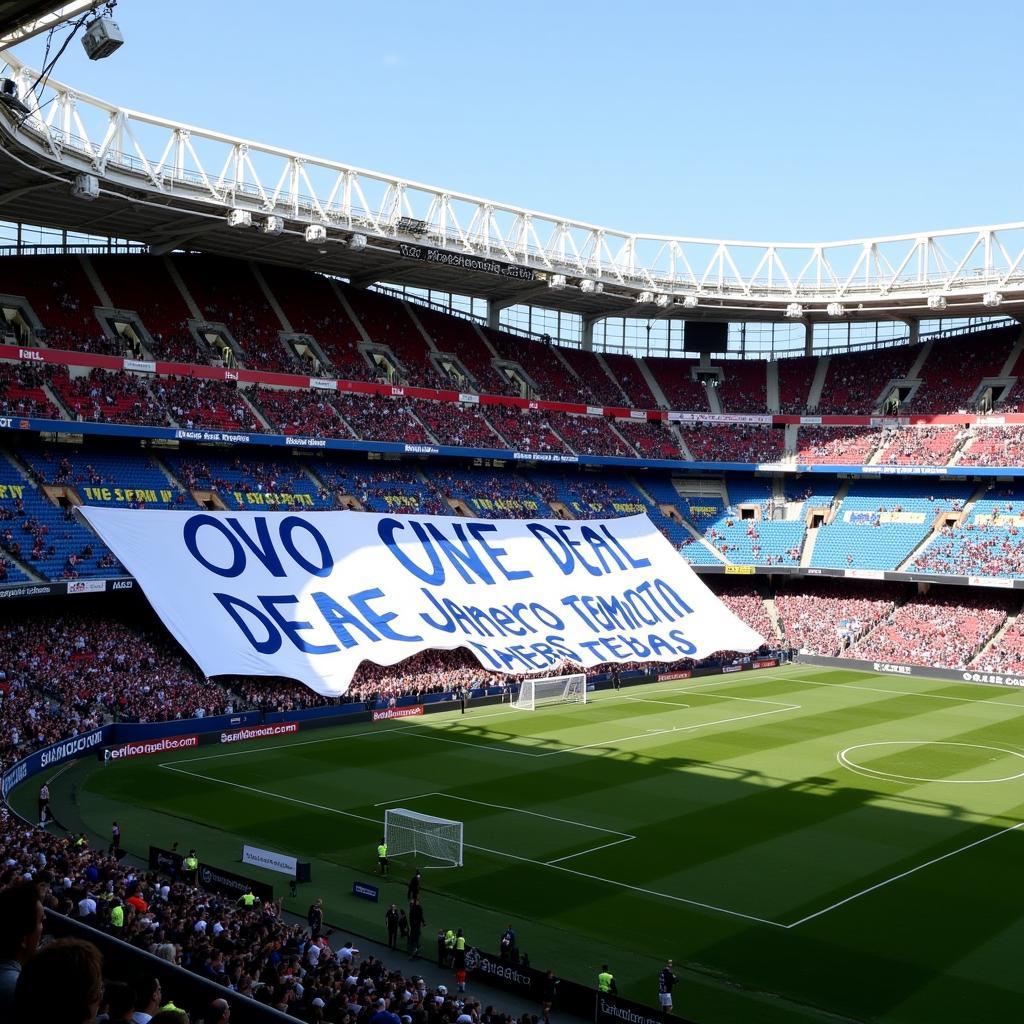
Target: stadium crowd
(823, 617)
(22, 394)
(198, 402)
(974, 551)
(991, 446)
(942, 630)
(734, 443)
(852, 446)
(248, 947)
(104, 397)
(299, 412)
(919, 446)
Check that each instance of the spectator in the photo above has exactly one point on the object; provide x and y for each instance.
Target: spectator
(119, 1001)
(61, 984)
(21, 925)
(218, 1012)
(147, 999)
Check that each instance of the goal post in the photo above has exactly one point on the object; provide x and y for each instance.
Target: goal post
(408, 831)
(534, 693)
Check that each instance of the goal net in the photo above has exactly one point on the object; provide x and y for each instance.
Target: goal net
(556, 690)
(408, 831)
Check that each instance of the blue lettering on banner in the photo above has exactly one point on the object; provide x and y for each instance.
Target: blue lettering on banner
(262, 546)
(462, 555)
(365, 891)
(567, 551)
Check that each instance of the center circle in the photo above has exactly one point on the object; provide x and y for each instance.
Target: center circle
(843, 757)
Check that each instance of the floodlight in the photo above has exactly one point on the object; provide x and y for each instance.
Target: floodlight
(937, 301)
(273, 225)
(589, 286)
(794, 311)
(991, 299)
(357, 243)
(690, 302)
(315, 234)
(663, 301)
(835, 309)
(85, 186)
(556, 282)
(645, 298)
(239, 219)
(102, 37)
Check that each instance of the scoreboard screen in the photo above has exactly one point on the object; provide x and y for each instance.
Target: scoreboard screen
(701, 336)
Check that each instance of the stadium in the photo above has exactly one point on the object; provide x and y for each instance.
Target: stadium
(771, 778)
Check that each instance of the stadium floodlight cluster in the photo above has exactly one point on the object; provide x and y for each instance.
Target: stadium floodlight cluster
(408, 831)
(571, 689)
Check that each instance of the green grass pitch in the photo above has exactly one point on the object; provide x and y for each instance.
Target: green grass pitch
(808, 844)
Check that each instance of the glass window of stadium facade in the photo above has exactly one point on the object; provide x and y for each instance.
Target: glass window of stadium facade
(615, 335)
(28, 239)
(648, 337)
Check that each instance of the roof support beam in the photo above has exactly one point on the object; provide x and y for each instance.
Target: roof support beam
(17, 193)
(39, 23)
(181, 240)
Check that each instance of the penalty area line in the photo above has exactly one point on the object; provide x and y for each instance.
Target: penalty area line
(663, 732)
(506, 807)
(498, 853)
(593, 849)
(383, 730)
(903, 874)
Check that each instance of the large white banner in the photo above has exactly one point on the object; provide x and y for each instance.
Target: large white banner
(311, 596)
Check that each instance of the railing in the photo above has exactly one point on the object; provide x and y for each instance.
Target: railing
(126, 148)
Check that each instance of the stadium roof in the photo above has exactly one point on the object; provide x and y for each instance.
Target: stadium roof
(176, 186)
(23, 19)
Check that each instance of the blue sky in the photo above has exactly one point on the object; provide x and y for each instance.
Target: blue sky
(784, 121)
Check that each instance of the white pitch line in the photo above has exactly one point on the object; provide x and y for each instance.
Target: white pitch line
(903, 874)
(383, 730)
(593, 849)
(647, 700)
(727, 696)
(907, 693)
(677, 728)
(269, 793)
(506, 807)
(380, 730)
(428, 734)
(484, 849)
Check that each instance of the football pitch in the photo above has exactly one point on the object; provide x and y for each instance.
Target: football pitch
(807, 843)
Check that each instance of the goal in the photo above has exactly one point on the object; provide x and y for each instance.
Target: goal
(408, 831)
(555, 690)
